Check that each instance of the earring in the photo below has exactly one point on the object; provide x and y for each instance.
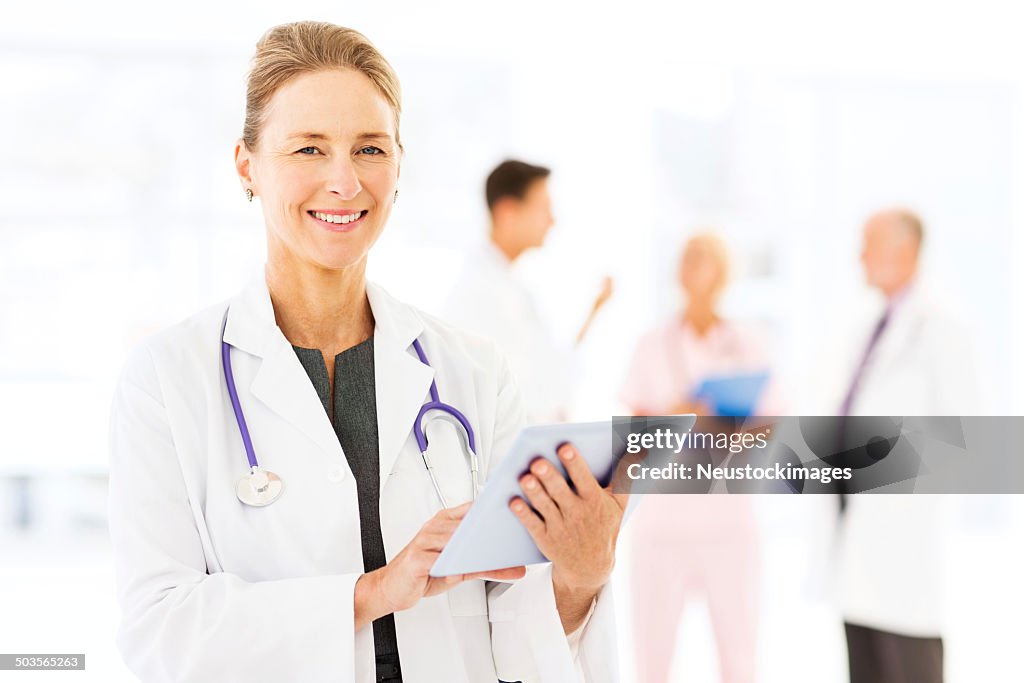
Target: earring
(248, 194)
(395, 200)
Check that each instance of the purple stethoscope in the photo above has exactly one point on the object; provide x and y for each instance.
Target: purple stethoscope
(262, 487)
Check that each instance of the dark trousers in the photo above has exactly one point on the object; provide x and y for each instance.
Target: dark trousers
(883, 657)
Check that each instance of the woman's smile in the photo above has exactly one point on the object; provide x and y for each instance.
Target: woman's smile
(338, 220)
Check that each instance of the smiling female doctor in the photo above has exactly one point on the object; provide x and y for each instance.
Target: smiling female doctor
(329, 581)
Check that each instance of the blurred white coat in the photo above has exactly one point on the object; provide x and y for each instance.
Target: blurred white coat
(891, 545)
(490, 299)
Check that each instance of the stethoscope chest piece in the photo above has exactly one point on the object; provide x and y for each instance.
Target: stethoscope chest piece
(259, 488)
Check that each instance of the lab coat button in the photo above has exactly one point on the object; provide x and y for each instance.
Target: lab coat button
(335, 473)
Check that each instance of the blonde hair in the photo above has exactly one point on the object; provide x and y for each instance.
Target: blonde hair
(301, 47)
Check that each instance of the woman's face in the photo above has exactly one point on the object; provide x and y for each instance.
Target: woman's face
(325, 169)
(700, 273)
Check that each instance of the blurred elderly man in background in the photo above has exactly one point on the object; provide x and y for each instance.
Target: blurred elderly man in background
(914, 360)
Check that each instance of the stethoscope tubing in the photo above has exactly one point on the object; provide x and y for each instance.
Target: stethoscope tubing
(435, 403)
(229, 378)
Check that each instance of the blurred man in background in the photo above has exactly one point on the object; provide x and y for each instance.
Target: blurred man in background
(915, 359)
(490, 299)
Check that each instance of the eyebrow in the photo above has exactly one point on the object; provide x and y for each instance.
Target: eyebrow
(321, 136)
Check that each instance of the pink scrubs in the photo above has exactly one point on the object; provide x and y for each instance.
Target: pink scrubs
(690, 547)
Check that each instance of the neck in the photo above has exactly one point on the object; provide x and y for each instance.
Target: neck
(701, 316)
(504, 239)
(897, 288)
(318, 308)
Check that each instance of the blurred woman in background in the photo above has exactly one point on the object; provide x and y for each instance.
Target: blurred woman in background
(694, 546)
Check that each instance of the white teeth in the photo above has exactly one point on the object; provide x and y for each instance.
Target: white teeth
(334, 218)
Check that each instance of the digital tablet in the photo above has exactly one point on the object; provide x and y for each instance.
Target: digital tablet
(490, 536)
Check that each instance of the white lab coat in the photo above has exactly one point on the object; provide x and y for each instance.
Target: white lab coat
(891, 552)
(214, 590)
(491, 300)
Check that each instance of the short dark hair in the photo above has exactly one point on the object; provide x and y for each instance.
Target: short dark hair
(512, 178)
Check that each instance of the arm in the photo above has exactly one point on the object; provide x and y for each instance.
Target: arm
(599, 302)
(179, 622)
(955, 390)
(530, 618)
(641, 389)
(573, 604)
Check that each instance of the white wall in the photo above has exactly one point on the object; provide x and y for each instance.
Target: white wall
(781, 123)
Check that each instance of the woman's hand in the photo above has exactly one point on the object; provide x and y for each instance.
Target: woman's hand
(402, 582)
(576, 530)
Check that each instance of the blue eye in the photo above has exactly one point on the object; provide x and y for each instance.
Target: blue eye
(372, 151)
(306, 150)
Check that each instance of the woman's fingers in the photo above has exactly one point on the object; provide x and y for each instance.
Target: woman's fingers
(529, 518)
(553, 481)
(440, 524)
(455, 513)
(431, 541)
(408, 574)
(539, 498)
(506, 574)
(582, 478)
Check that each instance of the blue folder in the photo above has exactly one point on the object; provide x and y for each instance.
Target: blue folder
(733, 395)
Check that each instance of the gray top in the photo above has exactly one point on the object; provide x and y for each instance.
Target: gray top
(355, 423)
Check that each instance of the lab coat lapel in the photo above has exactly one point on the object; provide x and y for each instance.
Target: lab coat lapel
(898, 339)
(403, 382)
(280, 382)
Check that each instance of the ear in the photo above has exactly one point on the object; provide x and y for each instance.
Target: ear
(243, 160)
(504, 207)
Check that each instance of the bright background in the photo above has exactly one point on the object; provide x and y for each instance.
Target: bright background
(780, 124)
